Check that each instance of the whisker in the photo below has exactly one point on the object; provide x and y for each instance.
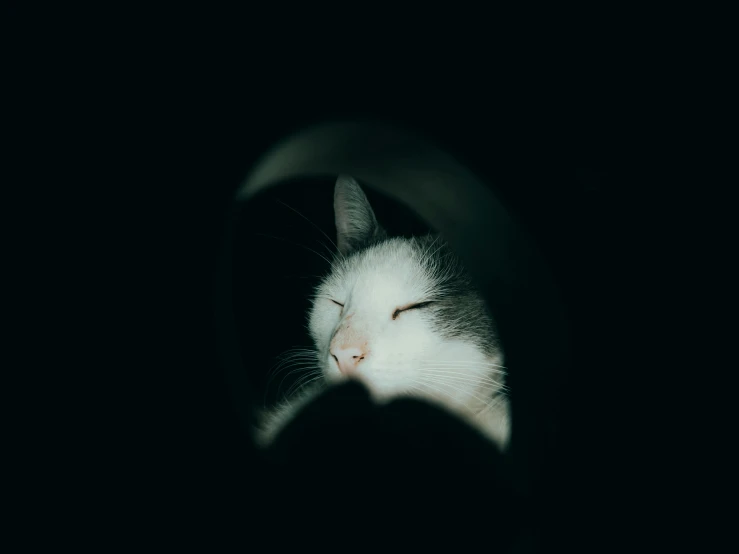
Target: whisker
(494, 402)
(296, 244)
(302, 381)
(432, 361)
(293, 369)
(423, 393)
(314, 225)
(442, 376)
(473, 394)
(442, 373)
(430, 382)
(444, 401)
(491, 376)
(435, 381)
(306, 383)
(296, 368)
(449, 381)
(293, 359)
(281, 366)
(462, 366)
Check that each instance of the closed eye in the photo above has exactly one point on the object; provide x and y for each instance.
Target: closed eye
(337, 303)
(416, 306)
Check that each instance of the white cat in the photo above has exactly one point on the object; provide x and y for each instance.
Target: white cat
(401, 316)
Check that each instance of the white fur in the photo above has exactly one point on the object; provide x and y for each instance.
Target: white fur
(406, 356)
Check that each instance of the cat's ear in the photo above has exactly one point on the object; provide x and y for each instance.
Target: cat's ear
(356, 224)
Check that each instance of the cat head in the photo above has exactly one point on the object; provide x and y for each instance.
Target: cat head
(401, 314)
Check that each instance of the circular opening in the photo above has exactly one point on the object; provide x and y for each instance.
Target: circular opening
(280, 247)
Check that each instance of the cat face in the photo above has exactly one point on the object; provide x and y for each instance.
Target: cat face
(400, 315)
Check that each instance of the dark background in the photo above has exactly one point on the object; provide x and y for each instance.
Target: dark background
(567, 179)
(165, 145)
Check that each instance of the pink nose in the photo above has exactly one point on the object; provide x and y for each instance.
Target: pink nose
(347, 358)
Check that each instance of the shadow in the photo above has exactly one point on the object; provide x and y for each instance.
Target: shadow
(402, 473)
